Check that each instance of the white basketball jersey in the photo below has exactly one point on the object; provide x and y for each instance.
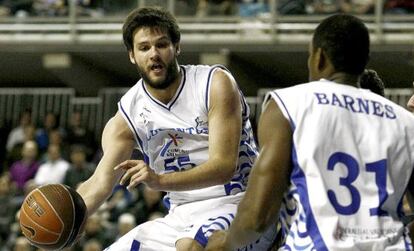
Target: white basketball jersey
(174, 137)
(352, 157)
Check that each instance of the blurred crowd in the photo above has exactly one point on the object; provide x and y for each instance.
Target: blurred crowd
(202, 8)
(48, 153)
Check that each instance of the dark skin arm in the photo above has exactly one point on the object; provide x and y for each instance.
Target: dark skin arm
(268, 181)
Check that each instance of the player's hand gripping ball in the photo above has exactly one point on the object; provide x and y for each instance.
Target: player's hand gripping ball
(53, 216)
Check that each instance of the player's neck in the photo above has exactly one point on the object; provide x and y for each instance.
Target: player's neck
(165, 95)
(344, 78)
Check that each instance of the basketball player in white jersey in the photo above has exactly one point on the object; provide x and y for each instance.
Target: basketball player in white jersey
(335, 159)
(191, 123)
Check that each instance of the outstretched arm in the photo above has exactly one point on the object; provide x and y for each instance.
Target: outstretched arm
(117, 144)
(268, 181)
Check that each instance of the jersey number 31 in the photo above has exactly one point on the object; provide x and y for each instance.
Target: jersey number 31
(379, 168)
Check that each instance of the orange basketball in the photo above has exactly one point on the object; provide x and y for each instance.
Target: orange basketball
(52, 216)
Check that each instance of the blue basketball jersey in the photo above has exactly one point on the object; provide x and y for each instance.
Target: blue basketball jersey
(174, 137)
(352, 158)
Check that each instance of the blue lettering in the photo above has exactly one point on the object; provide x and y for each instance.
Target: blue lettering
(363, 105)
(190, 130)
(377, 108)
(336, 101)
(389, 112)
(321, 98)
(349, 103)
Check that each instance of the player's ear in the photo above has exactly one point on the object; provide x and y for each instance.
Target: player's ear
(177, 49)
(131, 56)
(320, 58)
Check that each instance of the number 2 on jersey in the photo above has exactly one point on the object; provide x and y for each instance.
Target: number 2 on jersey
(379, 168)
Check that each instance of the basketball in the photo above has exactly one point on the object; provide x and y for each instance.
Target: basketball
(52, 216)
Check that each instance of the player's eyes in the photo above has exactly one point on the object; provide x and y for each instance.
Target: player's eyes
(163, 45)
(143, 48)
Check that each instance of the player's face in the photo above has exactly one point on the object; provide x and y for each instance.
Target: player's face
(155, 57)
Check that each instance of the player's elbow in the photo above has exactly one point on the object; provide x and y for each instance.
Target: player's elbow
(256, 219)
(226, 172)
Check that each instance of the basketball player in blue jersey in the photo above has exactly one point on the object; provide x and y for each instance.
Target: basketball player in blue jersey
(191, 124)
(335, 160)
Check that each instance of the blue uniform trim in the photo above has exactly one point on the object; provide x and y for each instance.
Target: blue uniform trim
(201, 238)
(171, 103)
(132, 126)
(204, 231)
(299, 179)
(292, 123)
(214, 67)
(181, 88)
(166, 202)
(135, 245)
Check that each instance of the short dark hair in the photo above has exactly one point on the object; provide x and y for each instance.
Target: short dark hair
(345, 40)
(149, 17)
(370, 80)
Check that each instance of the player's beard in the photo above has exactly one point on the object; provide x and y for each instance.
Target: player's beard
(171, 75)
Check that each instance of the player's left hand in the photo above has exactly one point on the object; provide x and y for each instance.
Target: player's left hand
(217, 242)
(136, 172)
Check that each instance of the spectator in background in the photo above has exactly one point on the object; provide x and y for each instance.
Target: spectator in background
(92, 245)
(4, 131)
(323, 6)
(95, 229)
(20, 8)
(8, 207)
(50, 8)
(249, 8)
(399, 6)
(357, 6)
(4, 10)
(16, 152)
(119, 202)
(22, 244)
(79, 170)
(54, 169)
(79, 134)
(289, 7)
(186, 7)
(216, 8)
(56, 138)
(25, 169)
(126, 222)
(17, 134)
(50, 123)
(149, 203)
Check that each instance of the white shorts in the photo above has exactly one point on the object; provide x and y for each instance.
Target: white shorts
(195, 220)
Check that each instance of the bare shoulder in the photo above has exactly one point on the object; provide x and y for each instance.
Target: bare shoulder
(117, 127)
(223, 86)
(224, 77)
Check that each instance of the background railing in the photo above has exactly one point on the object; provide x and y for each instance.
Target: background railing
(101, 23)
(96, 111)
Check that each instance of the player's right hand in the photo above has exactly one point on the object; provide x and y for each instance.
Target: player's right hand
(217, 242)
(136, 172)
